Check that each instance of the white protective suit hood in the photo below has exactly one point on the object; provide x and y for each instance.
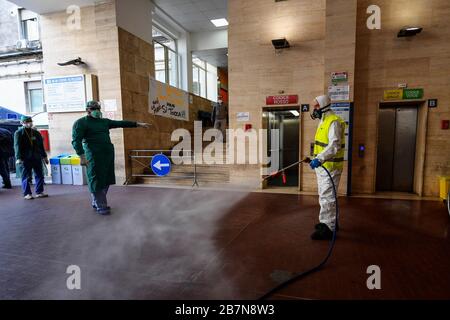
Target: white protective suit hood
(323, 100)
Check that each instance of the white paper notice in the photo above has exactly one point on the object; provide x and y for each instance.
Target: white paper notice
(110, 105)
(243, 116)
(339, 93)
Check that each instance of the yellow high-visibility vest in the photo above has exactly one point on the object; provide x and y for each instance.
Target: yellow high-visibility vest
(321, 142)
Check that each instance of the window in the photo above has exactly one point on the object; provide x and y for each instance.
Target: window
(29, 26)
(173, 68)
(198, 77)
(166, 58)
(160, 63)
(195, 80)
(211, 82)
(204, 79)
(34, 97)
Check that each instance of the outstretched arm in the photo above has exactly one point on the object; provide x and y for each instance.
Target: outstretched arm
(113, 124)
(126, 124)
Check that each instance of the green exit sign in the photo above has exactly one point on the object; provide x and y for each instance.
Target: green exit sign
(412, 93)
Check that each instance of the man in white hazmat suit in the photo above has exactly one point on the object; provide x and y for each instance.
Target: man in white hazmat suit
(329, 148)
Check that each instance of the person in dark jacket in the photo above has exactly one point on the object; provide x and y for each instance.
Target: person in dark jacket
(219, 116)
(30, 152)
(6, 152)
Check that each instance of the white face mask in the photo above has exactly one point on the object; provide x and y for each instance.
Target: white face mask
(28, 125)
(219, 101)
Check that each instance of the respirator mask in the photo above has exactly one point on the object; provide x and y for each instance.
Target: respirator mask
(96, 114)
(317, 113)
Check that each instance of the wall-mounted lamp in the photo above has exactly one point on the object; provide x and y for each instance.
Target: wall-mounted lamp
(409, 32)
(281, 43)
(74, 62)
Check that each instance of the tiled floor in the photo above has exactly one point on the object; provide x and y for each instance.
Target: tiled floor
(183, 244)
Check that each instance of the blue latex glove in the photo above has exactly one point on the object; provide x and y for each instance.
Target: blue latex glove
(315, 163)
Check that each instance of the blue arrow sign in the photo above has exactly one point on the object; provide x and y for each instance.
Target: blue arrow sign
(160, 165)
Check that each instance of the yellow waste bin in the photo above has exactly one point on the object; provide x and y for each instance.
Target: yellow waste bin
(444, 186)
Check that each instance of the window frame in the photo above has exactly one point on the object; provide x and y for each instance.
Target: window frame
(23, 24)
(30, 86)
(167, 49)
(204, 68)
(164, 61)
(199, 67)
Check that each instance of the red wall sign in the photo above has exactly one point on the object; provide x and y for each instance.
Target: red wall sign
(279, 100)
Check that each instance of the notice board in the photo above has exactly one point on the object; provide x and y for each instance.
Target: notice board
(343, 110)
(65, 94)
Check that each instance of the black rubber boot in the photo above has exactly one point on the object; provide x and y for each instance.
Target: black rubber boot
(317, 226)
(95, 208)
(322, 232)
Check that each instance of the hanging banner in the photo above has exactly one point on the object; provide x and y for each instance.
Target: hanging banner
(168, 101)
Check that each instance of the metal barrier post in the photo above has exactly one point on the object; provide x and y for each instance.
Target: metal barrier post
(195, 172)
(130, 162)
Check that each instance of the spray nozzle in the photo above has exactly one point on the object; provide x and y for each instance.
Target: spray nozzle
(273, 175)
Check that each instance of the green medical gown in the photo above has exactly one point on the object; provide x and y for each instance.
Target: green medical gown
(90, 136)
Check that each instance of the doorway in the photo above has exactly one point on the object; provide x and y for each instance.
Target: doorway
(396, 153)
(287, 122)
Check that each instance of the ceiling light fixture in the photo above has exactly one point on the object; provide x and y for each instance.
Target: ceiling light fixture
(409, 32)
(222, 22)
(295, 112)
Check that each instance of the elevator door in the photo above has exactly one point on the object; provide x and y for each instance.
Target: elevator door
(397, 130)
(287, 122)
